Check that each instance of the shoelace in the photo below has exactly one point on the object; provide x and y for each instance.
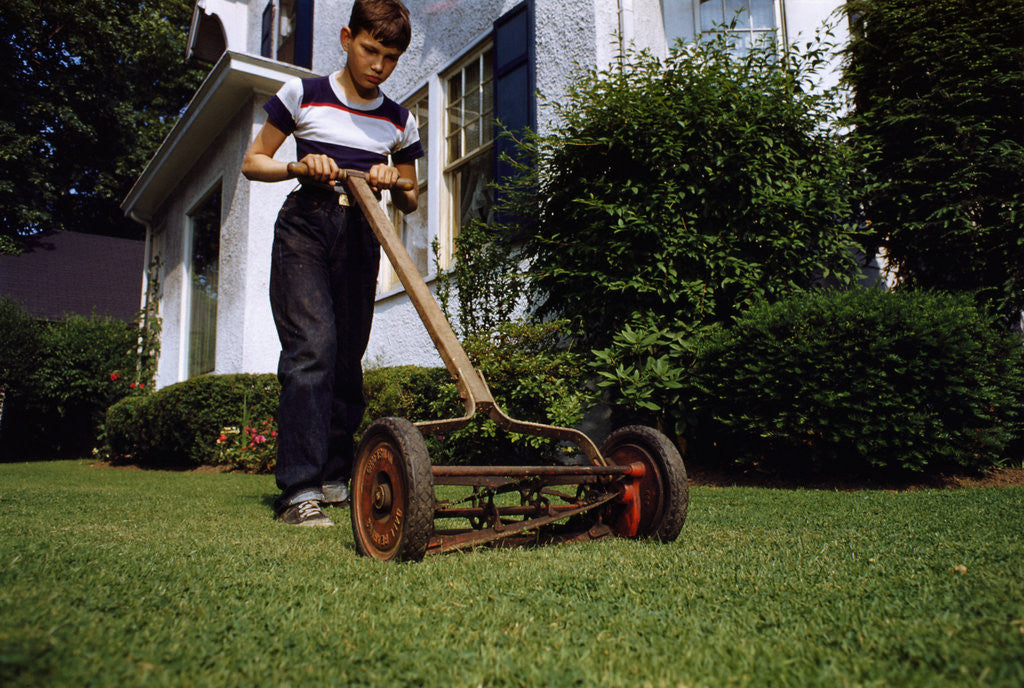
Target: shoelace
(310, 509)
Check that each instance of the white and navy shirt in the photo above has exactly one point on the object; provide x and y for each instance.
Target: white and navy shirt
(356, 135)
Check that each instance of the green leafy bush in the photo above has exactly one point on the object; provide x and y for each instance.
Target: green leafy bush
(860, 380)
(217, 419)
(210, 419)
(20, 336)
(530, 372)
(939, 118)
(60, 377)
(677, 192)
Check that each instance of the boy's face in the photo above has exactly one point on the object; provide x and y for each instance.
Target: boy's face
(370, 62)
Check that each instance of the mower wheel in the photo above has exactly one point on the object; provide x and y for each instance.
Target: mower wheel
(664, 491)
(392, 492)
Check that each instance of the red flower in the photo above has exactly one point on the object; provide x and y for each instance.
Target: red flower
(115, 376)
(132, 385)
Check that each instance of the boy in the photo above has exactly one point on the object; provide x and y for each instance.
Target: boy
(323, 270)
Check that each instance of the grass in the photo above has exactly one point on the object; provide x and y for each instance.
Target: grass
(113, 577)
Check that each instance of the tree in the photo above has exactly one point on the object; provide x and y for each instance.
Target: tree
(91, 89)
(939, 118)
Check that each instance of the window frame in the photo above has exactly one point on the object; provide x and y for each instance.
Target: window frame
(388, 282)
(778, 30)
(482, 54)
(188, 287)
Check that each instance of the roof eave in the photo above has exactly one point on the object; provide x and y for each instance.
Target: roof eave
(226, 88)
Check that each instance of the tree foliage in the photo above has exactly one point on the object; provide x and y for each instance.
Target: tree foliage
(678, 191)
(91, 89)
(939, 116)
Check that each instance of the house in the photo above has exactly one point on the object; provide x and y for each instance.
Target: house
(470, 62)
(60, 273)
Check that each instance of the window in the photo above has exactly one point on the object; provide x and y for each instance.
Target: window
(287, 32)
(205, 257)
(469, 142)
(413, 229)
(754, 20)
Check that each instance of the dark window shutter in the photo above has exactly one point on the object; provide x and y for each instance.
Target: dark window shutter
(304, 33)
(267, 34)
(514, 97)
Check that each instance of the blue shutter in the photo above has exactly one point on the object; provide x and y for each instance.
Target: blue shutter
(304, 33)
(267, 32)
(514, 79)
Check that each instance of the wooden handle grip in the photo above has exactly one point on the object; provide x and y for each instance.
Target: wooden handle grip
(299, 169)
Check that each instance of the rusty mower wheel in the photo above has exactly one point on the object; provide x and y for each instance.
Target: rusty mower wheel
(392, 492)
(663, 492)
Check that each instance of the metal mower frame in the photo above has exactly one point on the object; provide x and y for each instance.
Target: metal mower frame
(634, 486)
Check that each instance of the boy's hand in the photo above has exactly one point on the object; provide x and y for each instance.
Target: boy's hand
(322, 168)
(382, 177)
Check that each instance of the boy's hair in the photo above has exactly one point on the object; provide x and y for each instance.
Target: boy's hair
(384, 20)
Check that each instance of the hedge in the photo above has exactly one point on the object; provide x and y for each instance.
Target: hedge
(861, 380)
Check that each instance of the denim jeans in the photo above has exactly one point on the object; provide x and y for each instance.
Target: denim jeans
(323, 278)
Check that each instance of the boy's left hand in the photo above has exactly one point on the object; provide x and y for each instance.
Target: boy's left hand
(382, 177)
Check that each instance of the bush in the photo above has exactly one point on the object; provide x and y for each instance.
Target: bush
(206, 420)
(60, 379)
(675, 193)
(531, 375)
(217, 419)
(860, 380)
(20, 336)
(939, 116)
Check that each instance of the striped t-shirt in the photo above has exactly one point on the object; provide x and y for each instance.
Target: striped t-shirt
(356, 135)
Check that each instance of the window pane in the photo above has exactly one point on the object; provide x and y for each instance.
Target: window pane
(414, 235)
(472, 81)
(710, 14)
(423, 120)
(204, 284)
(678, 17)
(455, 89)
(763, 12)
(475, 200)
(732, 7)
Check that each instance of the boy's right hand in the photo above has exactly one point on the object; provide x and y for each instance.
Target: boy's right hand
(322, 168)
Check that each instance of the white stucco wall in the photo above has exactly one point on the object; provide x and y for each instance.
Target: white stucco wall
(246, 338)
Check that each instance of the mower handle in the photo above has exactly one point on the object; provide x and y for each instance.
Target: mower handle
(300, 169)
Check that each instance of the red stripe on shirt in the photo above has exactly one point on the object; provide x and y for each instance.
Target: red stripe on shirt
(361, 113)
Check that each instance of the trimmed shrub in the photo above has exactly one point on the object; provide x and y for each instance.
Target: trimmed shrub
(218, 419)
(410, 392)
(210, 419)
(859, 380)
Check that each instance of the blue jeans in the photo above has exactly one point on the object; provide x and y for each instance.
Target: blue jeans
(323, 278)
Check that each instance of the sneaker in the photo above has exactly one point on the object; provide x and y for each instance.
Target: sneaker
(335, 493)
(307, 513)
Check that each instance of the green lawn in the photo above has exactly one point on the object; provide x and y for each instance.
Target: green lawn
(114, 577)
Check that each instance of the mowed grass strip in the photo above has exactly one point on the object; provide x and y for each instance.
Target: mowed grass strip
(115, 577)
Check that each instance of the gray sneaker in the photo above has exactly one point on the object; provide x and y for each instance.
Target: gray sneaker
(307, 513)
(335, 493)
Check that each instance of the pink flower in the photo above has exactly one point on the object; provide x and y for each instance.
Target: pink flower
(259, 439)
